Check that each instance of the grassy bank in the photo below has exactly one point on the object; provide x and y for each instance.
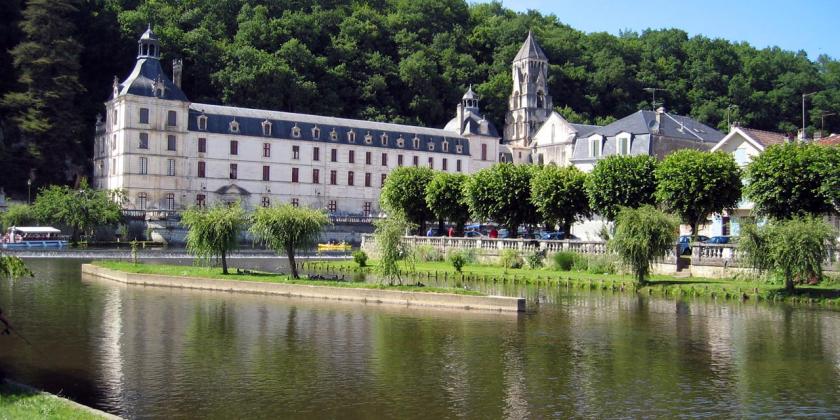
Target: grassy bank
(216, 273)
(659, 285)
(22, 403)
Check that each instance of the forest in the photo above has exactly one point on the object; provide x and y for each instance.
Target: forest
(405, 61)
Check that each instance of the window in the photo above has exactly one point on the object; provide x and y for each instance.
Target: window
(202, 145)
(431, 162)
(595, 147)
(114, 166)
(351, 156)
(333, 155)
(296, 131)
(170, 167)
(233, 126)
(295, 152)
(443, 164)
(399, 160)
(316, 176)
(316, 153)
(445, 146)
(333, 177)
(233, 170)
(170, 201)
(366, 208)
(316, 133)
(458, 165)
(266, 149)
(416, 161)
(141, 200)
(266, 173)
(368, 138)
(295, 177)
(350, 177)
(367, 158)
(202, 169)
(332, 206)
(172, 119)
(144, 115)
(400, 142)
(384, 159)
(351, 136)
(144, 141)
(431, 147)
(170, 143)
(483, 151)
(200, 200)
(416, 142)
(295, 202)
(266, 128)
(384, 139)
(333, 135)
(367, 179)
(234, 147)
(459, 149)
(114, 143)
(382, 180)
(144, 166)
(266, 202)
(623, 144)
(202, 122)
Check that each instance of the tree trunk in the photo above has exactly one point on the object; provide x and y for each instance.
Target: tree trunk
(224, 263)
(567, 229)
(290, 253)
(512, 231)
(459, 229)
(693, 231)
(790, 287)
(441, 232)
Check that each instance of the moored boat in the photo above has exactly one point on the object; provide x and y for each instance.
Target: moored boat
(26, 237)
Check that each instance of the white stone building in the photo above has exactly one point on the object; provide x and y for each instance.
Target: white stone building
(167, 153)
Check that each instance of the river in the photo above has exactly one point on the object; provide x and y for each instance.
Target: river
(143, 352)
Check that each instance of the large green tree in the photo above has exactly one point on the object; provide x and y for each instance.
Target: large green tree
(82, 209)
(214, 232)
(445, 198)
(286, 229)
(404, 193)
(696, 184)
(502, 193)
(641, 236)
(559, 195)
(787, 180)
(621, 181)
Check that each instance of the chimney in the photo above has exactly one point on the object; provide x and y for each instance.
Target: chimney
(659, 112)
(460, 116)
(177, 67)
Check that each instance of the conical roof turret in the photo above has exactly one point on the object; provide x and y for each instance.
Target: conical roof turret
(530, 49)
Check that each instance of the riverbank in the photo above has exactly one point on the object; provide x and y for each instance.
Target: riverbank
(827, 293)
(18, 401)
(267, 283)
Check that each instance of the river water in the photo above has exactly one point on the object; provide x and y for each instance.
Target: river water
(143, 352)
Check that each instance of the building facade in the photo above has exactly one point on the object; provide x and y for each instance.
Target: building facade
(168, 153)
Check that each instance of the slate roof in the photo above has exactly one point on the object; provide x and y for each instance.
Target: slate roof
(583, 130)
(530, 49)
(674, 126)
(142, 78)
(472, 125)
(832, 140)
(765, 138)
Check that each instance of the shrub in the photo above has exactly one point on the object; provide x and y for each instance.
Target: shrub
(535, 260)
(600, 264)
(564, 261)
(509, 258)
(457, 260)
(426, 253)
(641, 236)
(360, 258)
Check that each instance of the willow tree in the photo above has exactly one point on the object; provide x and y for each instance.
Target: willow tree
(641, 236)
(213, 232)
(286, 228)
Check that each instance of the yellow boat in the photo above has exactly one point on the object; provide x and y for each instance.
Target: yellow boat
(334, 247)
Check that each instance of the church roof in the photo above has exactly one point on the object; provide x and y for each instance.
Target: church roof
(470, 94)
(149, 35)
(147, 72)
(530, 49)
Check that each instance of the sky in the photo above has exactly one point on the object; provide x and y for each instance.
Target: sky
(794, 25)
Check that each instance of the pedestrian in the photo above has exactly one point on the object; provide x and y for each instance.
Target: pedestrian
(451, 231)
(494, 233)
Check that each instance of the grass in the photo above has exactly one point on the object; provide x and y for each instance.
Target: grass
(20, 403)
(659, 285)
(216, 273)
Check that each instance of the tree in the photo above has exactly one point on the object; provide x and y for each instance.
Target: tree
(831, 177)
(286, 228)
(559, 195)
(388, 235)
(17, 215)
(621, 181)
(641, 236)
(787, 180)
(502, 193)
(792, 248)
(213, 232)
(404, 193)
(445, 198)
(81, 210)
(696, 184)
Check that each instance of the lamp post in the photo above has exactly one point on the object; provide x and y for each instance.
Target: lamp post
(804, 95)
(728, 112)
(29, 191)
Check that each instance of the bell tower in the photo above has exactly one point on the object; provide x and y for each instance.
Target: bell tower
(529, 104)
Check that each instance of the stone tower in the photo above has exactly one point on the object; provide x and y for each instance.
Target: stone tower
(530, 104)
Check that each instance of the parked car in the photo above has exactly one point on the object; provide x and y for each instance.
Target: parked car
(557, 236)
(473, 234)
(685, 243)
(717, 240)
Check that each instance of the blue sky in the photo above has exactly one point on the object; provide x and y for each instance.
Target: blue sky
(809, 25)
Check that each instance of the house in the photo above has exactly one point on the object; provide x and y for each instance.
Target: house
(555, 140)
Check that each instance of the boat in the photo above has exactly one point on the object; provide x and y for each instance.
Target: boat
(28, 237)
(342, 246)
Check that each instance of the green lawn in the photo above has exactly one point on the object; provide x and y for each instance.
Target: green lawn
(19, 403)
(827, 292)
(216, 273)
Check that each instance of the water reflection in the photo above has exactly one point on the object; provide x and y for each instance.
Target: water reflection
(167, 353)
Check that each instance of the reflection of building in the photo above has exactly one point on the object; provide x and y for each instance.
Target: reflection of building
(168, 153)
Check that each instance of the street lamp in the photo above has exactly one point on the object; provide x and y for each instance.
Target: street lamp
(29, 191)
(804, 95)
(728, 108)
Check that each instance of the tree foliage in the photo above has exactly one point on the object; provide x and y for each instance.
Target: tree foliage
(787, 180)
(830, 187)
(17, 215)
(621, 181)
(286, 228)
(559, 195)
(214, 232)
(445, 198)
(696, 184)
(502, 193)
(13, 267)
(82, 210)
(641, 236)
(389, 234)
(404, 193)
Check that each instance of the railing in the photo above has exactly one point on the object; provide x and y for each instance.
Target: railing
(134, 214)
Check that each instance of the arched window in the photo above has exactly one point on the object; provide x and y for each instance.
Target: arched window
(316, 132)
(515, 100)
(333, 135)
(416, 142)
(351, 136)
(266, 128)
(202, 122)
(540, 99)
(384, 139)
(295, 131)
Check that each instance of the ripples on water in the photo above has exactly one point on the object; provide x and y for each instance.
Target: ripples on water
(168, 353)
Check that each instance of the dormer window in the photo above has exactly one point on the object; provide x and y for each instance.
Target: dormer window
(368, 138)
(459, 148)
(351, 136)
(233, 126)
(384, 139)
(296, 131)
(316, 132)
(445, 146)
(431, 147)
(400, 141)
(416, 142)
(333, 135)
(623, 141)
(202, 122)
(595, 146)
(266, 128)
